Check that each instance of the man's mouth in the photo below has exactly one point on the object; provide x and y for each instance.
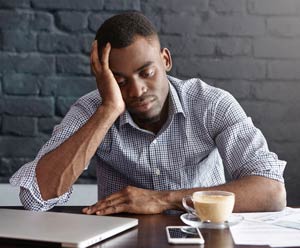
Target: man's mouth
(142, 104)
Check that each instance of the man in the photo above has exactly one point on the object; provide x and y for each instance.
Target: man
(155, 138)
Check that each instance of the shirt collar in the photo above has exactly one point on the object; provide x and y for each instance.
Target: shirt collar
(175, 107)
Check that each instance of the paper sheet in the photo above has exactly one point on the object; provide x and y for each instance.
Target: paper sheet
(267, 229)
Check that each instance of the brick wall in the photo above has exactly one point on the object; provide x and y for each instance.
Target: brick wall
(248, 47)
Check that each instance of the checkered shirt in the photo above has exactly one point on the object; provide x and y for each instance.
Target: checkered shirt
(206, 132)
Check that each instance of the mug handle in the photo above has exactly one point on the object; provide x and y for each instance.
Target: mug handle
(187, 207)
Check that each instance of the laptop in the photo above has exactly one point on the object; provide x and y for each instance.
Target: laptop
(71, 230)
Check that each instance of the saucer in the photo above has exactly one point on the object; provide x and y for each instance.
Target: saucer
(194, 221)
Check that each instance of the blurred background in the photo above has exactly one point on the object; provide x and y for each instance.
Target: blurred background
(249, 47)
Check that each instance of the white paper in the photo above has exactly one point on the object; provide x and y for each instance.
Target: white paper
(266, 228)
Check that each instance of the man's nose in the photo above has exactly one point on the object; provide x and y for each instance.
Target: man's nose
(137, 88)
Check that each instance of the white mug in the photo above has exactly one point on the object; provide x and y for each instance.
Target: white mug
(211, 206)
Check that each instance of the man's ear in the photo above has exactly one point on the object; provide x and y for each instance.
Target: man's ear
(166, 58)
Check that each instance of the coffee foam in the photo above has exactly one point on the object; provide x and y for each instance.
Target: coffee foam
(210, 198)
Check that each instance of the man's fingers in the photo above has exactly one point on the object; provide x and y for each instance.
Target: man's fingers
(105, 56)
(115, 198)
(88, 210)
(110, 202)
(124, 207)
(97, 66)
(94, 58)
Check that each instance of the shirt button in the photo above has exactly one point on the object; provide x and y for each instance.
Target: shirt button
(157, 172)
(154, 142)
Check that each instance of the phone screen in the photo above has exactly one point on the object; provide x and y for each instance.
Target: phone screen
(183, 233)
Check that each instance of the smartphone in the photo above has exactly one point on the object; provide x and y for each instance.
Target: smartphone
(184, 235)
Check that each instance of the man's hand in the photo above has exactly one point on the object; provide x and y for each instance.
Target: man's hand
(131, 200)
(106, 82)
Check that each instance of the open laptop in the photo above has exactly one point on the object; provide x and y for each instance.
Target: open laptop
(71, 230)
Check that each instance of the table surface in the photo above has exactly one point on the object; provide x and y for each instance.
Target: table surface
(149, 233)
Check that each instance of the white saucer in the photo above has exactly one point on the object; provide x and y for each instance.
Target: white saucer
(194, 221)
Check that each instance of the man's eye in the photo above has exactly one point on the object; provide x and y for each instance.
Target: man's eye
(147, 74)
(121, 83)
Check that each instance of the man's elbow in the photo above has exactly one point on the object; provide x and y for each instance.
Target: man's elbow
(28, 201)
(277, 200)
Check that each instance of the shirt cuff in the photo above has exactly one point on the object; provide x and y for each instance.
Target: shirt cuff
(30, 195)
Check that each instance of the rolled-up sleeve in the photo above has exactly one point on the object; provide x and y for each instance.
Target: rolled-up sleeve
(30, 196)
(25, 177)
(242, 146)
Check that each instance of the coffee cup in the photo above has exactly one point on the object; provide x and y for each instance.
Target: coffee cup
(210, 206)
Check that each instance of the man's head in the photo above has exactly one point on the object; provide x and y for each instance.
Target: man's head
(139, 66)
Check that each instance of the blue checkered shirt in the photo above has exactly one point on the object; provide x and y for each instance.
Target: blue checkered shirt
(206, 132)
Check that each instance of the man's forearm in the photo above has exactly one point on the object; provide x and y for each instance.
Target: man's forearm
(252, 193)
(59, 169)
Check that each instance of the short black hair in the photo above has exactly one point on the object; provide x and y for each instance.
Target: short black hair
(120, 30)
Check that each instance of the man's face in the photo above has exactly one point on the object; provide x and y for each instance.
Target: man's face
(140, 70)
